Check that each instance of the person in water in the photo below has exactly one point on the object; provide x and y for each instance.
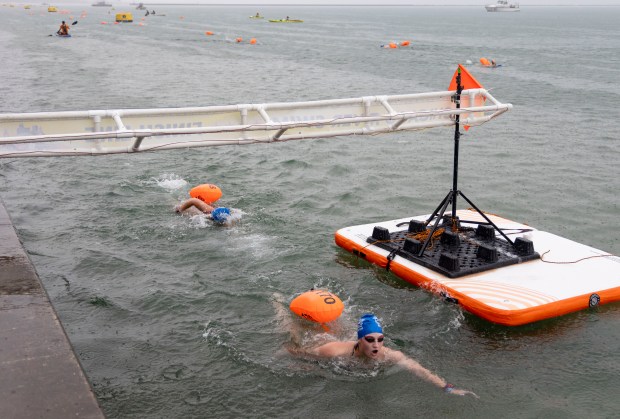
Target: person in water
(194, 206)
(64, 29)
(369, 347)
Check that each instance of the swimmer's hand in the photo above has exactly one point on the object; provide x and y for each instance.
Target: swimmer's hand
(461, 392)
(177, 209)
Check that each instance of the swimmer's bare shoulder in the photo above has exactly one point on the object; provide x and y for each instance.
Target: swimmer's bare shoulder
(328, 350)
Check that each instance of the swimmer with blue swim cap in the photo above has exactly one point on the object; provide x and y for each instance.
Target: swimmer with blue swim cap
(194, 206)
(369, 347)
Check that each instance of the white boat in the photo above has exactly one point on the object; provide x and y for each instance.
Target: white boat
(502, 6)
(102, 4)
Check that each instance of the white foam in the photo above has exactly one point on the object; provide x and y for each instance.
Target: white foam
(170, 181)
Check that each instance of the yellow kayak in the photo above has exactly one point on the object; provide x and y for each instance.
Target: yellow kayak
(286, 20)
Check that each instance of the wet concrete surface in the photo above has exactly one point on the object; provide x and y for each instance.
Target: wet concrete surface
(40, 376)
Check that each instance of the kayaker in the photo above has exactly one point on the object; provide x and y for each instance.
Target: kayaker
(64, 29)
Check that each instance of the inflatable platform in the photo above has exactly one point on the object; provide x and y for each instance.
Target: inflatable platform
(534, 275)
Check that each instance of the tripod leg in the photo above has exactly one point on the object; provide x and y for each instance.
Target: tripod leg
(486, 218)
(446, 202)
(438, 207)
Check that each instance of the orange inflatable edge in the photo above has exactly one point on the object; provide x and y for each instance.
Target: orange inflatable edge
(492, 314)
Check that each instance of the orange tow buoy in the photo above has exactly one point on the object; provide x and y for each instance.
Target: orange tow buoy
(404, 43)
(206, 192)
(208, 33)
(485, 62)
(239, 40)
(319, 306)
(253, 41)
(393, 45)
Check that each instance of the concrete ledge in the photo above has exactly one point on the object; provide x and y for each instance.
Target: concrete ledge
(40, 376)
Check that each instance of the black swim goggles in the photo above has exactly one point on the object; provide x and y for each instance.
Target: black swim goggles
(371, 339)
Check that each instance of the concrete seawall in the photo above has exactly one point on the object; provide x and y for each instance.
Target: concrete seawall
(40, 376)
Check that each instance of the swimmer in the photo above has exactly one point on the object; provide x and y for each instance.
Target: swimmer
(369, 347)
(195, 206)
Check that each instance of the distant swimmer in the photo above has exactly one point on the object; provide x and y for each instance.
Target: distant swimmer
(64, 29)
(202, 201)
(195, 206)
(369, 347)
(493, 63)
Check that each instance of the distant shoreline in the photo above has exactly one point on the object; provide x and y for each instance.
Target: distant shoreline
(369, 5)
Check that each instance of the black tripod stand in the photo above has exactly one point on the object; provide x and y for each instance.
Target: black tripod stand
(454, 192)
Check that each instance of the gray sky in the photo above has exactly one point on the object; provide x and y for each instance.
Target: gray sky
(394, 2)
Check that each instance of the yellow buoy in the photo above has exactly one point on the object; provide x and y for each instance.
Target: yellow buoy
(124, 17)
(319, 306)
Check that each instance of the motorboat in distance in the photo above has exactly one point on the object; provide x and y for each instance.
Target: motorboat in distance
(502, 6)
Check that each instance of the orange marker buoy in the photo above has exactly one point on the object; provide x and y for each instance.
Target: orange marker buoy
(206, 192)
(253, 41)
(208, 33)
(319, 306)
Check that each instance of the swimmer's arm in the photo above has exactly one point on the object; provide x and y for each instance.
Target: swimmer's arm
(194, 202)
(421, 372)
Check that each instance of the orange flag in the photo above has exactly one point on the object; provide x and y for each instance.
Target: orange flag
(467, 80)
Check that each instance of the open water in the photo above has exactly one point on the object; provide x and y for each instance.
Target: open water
(174, 317)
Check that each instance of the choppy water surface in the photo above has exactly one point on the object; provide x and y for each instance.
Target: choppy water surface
(173, 317)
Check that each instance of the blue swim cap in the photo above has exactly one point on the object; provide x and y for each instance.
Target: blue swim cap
(220, 215)
(367, 324)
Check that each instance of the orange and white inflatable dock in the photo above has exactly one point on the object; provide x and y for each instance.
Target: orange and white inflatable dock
(555, 276)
